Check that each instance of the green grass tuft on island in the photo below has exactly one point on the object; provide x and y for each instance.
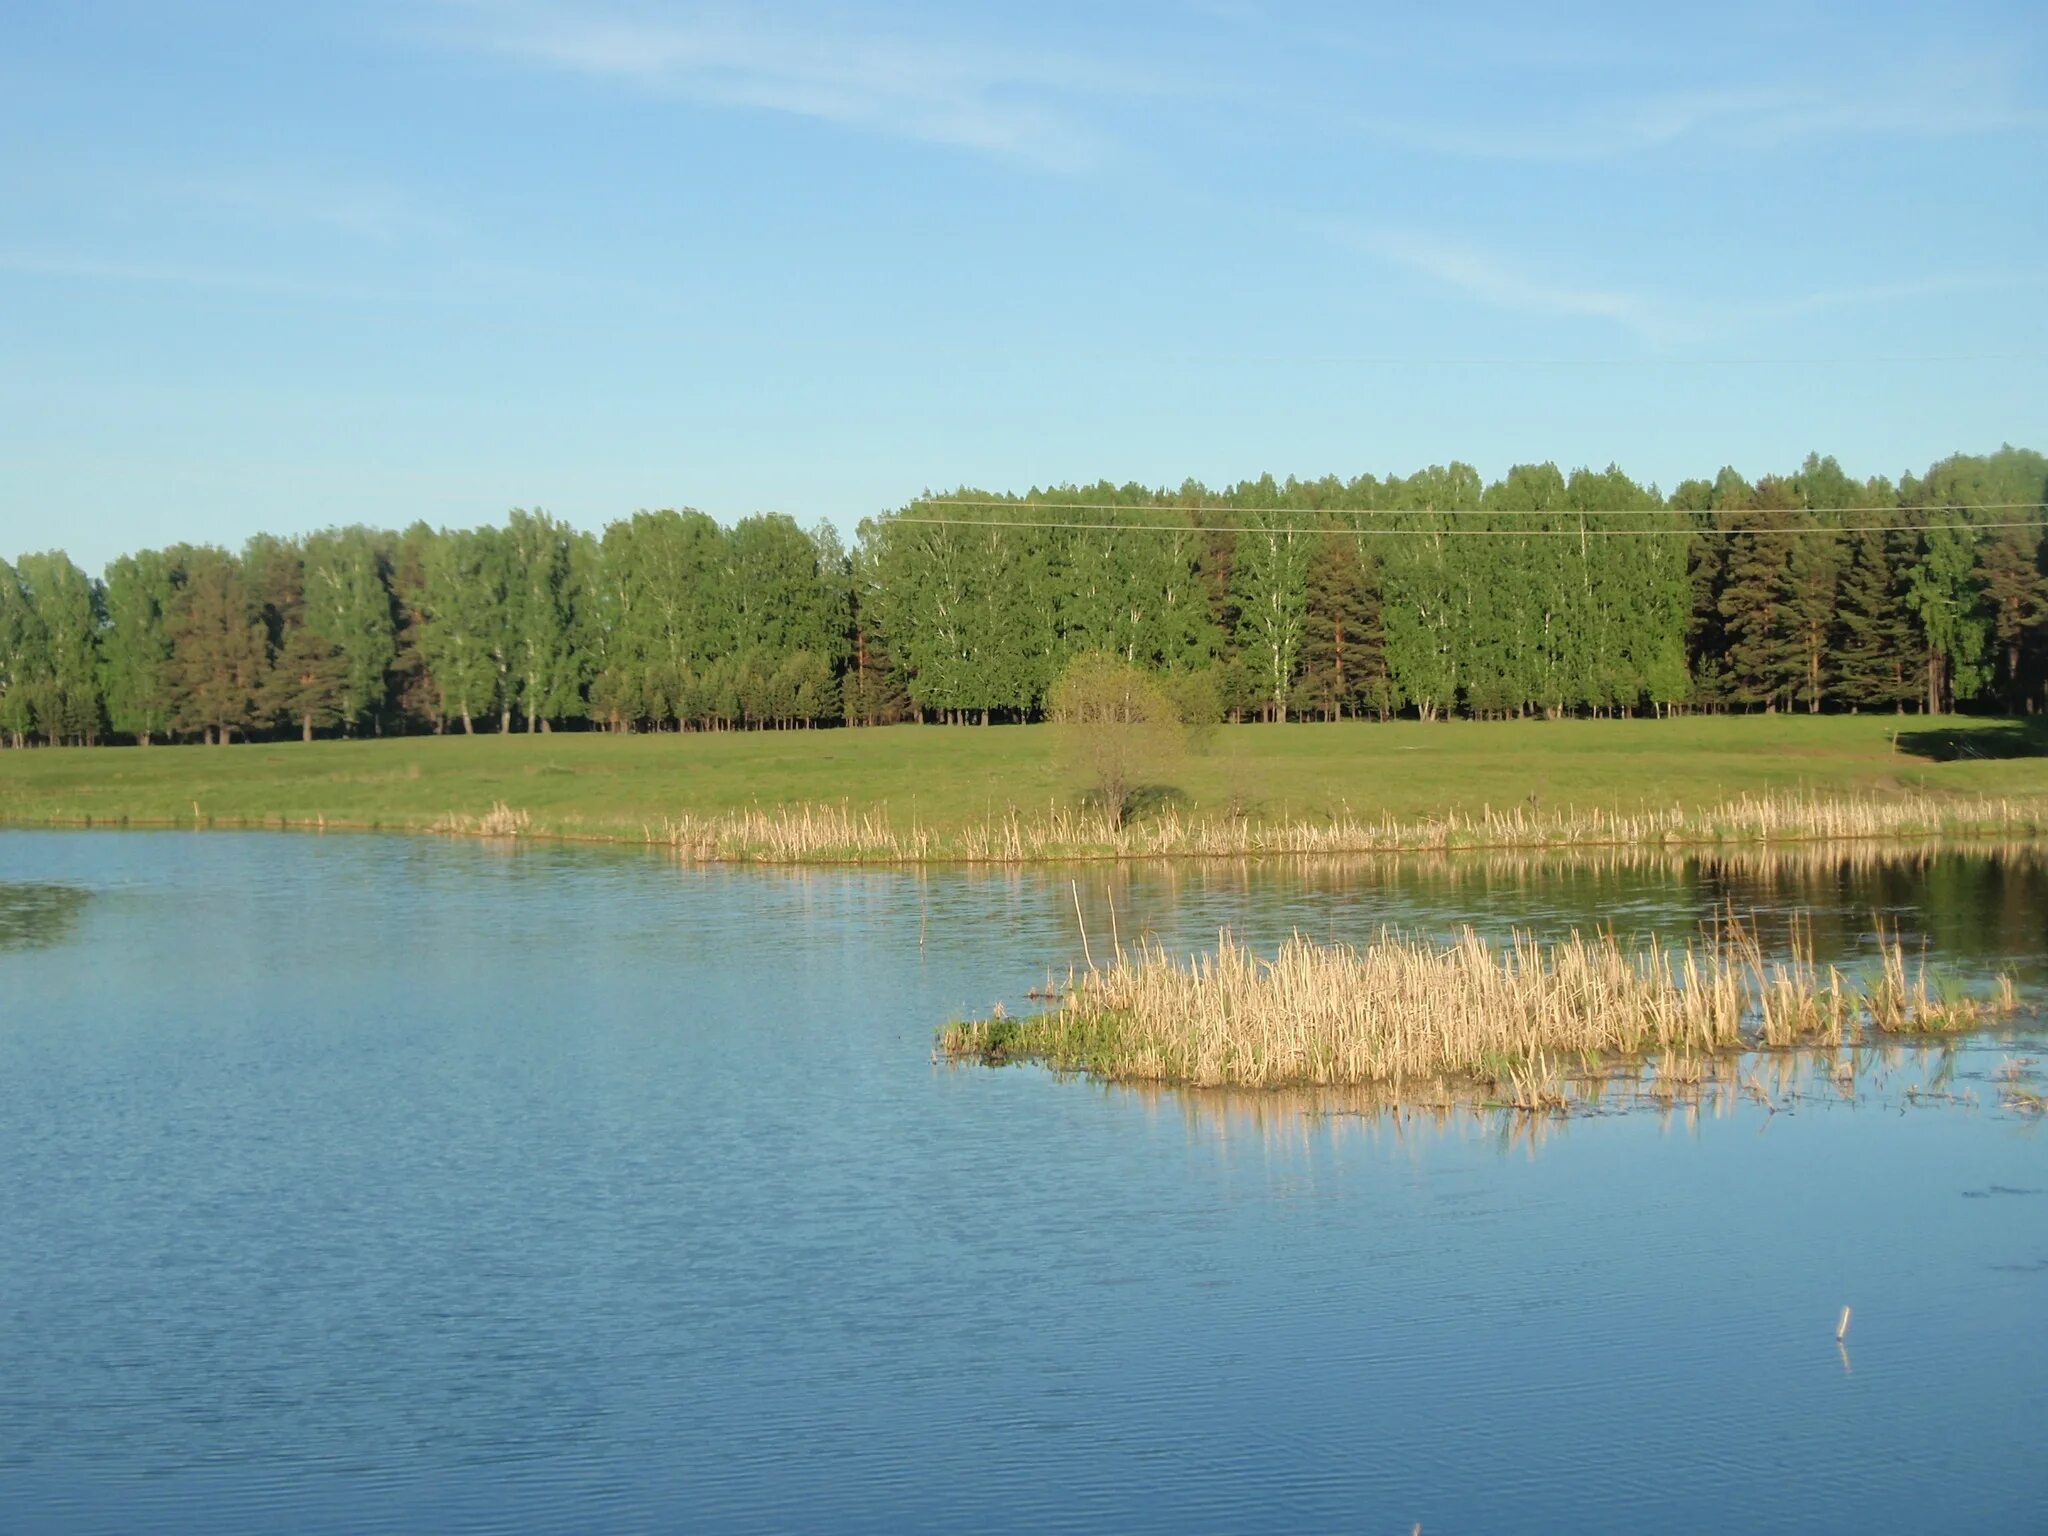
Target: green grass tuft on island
(1516, 1025)
(909, 792)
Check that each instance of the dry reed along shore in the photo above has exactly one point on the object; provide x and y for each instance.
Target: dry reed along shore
(829, 834)
(1513, 1024)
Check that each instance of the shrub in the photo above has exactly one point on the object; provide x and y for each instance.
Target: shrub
(1119, 729)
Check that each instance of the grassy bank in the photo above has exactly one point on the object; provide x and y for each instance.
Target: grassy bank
(1516, 1023)
(933, 792)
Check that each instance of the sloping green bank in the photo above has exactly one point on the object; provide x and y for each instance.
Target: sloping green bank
(931, 792)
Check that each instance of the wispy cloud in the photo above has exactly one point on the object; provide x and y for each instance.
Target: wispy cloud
(1493, 282)
(1015, 103)
(1657, 320)
(1752, 118)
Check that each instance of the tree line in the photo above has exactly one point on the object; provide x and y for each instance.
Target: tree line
(1434, 594)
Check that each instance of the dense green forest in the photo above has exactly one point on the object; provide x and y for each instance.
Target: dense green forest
(1430, 595)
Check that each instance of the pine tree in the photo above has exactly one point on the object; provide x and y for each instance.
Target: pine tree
(414, 695)
(2017, 591)
(274, 572)
(1343, 656)
(308, 683)
(219, 654)
(1873, 643)
(1767, 660)
(1706, 564)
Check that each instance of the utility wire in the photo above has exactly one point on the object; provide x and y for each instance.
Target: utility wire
(1469, 533)
(1220, 507)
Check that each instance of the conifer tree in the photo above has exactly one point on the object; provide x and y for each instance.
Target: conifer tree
(1343, 657)
(413, 692)
(274, 572)
(308, 683)
(1873, 643)
(219, 655)
(1706, 555)
(1766, 649)
(2016, 589)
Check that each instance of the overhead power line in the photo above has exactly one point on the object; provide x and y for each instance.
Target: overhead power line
(1220, 507)
(1472, 533)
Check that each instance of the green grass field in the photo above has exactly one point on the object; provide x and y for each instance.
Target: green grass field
(614, 786)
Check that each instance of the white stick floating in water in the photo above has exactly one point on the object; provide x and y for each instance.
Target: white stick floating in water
(1842, 1328)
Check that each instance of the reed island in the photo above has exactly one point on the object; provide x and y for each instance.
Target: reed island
(1511, 1023)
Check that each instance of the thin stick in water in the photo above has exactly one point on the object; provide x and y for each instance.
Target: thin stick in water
(1076, 885)
(1842, 1328)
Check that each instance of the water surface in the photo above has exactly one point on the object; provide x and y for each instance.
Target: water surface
(372, 1184)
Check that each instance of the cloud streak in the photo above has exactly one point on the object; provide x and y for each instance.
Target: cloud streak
(1659, 321)
(1484, 277)
(1752, 119)
(1016, 104)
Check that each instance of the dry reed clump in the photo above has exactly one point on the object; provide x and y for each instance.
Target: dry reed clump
(501, 820)
(839, 834)
(1402, 1012)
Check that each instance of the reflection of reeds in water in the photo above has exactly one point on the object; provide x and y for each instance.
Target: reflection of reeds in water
(1424, 1019)
(1683, 1092)
(1764, 866)
(2019, 1088)
(840, 834)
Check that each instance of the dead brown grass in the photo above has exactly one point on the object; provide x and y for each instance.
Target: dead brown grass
(1405, 1013)
(837, 834)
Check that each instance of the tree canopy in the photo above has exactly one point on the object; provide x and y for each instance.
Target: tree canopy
(1542, 593)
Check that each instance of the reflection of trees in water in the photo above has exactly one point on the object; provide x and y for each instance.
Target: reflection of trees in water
(32, 916)
(1962, 900)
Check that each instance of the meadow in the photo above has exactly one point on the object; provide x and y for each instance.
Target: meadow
(946, 782)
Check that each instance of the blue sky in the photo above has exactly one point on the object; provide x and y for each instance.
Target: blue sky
(278, 266)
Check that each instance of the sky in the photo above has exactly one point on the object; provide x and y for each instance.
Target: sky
(276, 267)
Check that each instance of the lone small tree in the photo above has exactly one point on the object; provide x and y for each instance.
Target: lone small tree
(1118, 729)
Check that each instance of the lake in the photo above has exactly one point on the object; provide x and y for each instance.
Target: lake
(371, 1184)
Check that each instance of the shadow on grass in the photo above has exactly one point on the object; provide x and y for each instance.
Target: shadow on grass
(1951, 744)
(1144, 801)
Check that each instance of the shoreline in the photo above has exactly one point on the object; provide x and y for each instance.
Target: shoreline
(834, 835)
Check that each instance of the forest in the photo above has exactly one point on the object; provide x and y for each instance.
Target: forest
(1438, 594)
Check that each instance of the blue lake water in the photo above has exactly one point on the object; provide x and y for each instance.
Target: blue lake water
(368, 1184)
